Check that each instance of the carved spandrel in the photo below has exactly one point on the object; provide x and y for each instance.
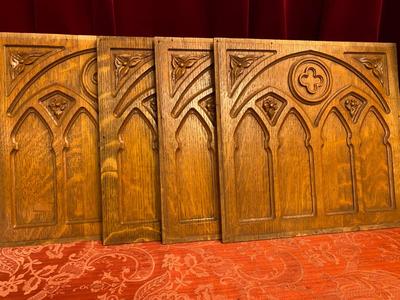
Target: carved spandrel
(375, 63)
(208, 105)
(271, 105)
(181, 63)
(57, 104)
(124, 62)
(354, 104)
(20, 59)
(238, 64)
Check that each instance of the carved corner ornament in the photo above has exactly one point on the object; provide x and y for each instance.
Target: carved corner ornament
(124, 62)
(19, 60)
(181, 63)
(374, 64)
(238, 64)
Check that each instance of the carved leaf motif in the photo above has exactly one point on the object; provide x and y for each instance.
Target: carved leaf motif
(270, 106)
(239, 63)
(353, 105)
(374, 64)
(19, 60)
(181, 63)
(57, 105)
(209, 107)
(124, 62)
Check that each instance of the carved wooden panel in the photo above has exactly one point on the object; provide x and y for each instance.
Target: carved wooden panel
(188, 151)
(129, 140)
(308, 135)
(49, 160)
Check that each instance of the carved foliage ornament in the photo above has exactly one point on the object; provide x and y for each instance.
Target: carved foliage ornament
(181, 63)
(208, 105)
(238, 63)
(354, 105)
(124, 62)
(57, 104)
(375, 64)
(19, 60)
(270, 106)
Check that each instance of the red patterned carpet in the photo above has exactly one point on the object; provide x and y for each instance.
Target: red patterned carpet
(361, 265)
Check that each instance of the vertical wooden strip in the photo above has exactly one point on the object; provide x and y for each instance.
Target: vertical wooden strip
(129, 140)
(188, 151)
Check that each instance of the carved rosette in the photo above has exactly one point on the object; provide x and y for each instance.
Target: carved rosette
(89, 77)
(124, 62)
(181, 63)
(238, 64)
(57, 104)
(353, 105)
(310, 81)
(272, 105)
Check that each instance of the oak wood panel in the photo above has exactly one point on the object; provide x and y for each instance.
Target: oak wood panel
(188, 151)
(49, 160)
(129, 140)
(308, 137)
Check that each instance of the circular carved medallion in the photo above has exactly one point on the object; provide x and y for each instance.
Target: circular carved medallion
(310, 81)
(89, 77)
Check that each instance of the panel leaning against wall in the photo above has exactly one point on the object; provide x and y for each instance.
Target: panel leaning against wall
(50, 179)
(187, 132)
(309, 135)
(129, 140)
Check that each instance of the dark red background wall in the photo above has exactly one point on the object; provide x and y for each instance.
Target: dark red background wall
(346, 20)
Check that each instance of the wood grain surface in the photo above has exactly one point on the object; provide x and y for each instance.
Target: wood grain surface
(49, 160)
(188, 151)
(308, 137)
(129, 140)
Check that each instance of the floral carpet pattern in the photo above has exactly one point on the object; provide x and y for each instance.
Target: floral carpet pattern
(359, 265)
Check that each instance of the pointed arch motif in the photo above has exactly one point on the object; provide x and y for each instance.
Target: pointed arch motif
(377, 164)
(138, 187)
(295, 168)
(254, 194)
(338, 169)
(196, 157)
(34, 181)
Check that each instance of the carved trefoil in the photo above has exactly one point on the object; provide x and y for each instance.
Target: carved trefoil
(181, 63)
(238, 64)
(124, 62)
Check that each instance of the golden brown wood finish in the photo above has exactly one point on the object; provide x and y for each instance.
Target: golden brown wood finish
(308, 135)
(188, 152)
(50, 183)
(129, 142)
